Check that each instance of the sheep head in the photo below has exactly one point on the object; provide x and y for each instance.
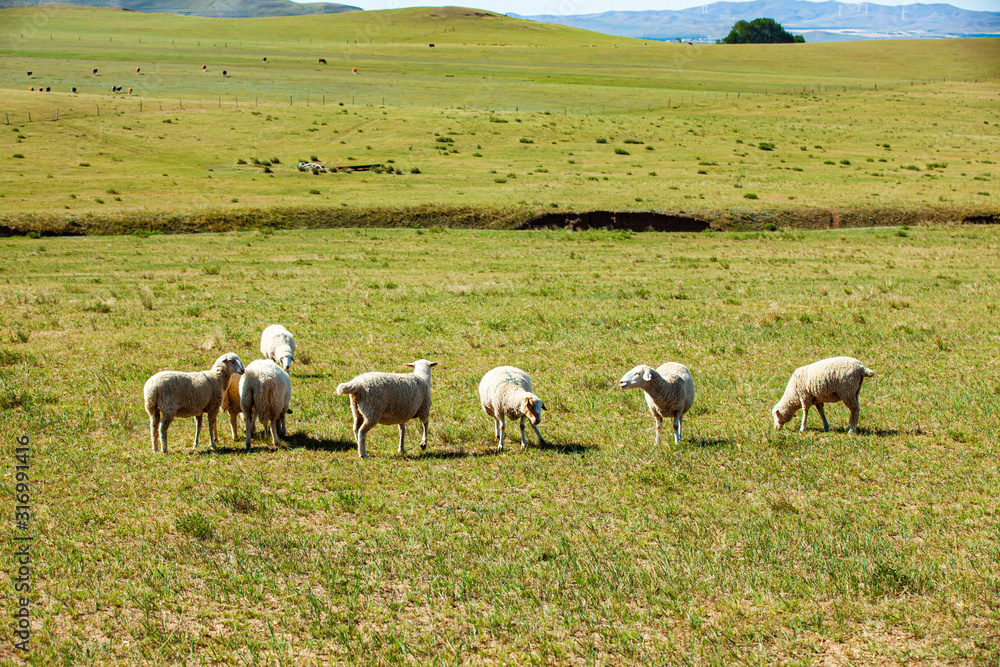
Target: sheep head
(532, 408)
(228, 362)
(637, 377)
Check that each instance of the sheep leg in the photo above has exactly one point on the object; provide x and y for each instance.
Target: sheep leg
(805, 413)
(154, 432)
(677, 428)
(524, 442)
(358, 418)
(282, 428)
(500, 433)
(402, 437)
(423, 440)
(541, 440)
(822, 415)
(197, 432)
(362, 432)
(248, 417)
(855, 409)
(274, 432)
(234, 425)
(213, 434)
(164, 425)
(497, 428)
(659, 428)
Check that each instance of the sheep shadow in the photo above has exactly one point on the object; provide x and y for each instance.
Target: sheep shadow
(710, 443)
(306, 441)
(565, 447)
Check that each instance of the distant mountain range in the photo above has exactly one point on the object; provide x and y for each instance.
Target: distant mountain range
(816, 21)
(211, 8)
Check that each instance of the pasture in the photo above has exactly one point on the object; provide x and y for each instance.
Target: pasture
(501, 115)
(740, 545)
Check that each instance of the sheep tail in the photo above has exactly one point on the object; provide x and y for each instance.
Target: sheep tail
(348, 388)
(867, 372)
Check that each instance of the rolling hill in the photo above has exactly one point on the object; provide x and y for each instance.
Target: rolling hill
(207, 8)
(817, 21)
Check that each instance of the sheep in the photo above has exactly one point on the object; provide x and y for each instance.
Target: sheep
(170, 394)
(231, 404)
(265, 392)
(505, 392)
(669, 393)
(390, 398)
(278, 344)
(827, 381)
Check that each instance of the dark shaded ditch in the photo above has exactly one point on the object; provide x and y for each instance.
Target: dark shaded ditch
(636, 221)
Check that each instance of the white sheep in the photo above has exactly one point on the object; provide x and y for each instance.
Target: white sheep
(265, 392)
(827, 381)
(278, 345)
(505, 392)
(390, 398)
(170, 394)
(231, 403)
(669, 393)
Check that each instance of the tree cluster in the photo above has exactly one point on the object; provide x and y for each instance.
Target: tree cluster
(760, 31)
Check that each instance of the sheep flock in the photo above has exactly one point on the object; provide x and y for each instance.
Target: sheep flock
(263, 391)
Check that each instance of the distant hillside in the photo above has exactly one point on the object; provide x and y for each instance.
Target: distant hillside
(817, 21)
(233, 9)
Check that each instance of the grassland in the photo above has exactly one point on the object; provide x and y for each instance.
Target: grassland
(741, 545)
(503, 116)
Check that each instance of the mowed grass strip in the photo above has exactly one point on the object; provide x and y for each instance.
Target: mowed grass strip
(739, 545)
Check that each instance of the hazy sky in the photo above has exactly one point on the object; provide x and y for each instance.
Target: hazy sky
(531, 7)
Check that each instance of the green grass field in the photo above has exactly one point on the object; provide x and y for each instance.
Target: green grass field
(501, 115)
(739, 546)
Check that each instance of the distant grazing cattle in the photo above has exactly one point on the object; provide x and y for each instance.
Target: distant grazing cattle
(431, 45)
(136, 70)
(95, 71)
(322, 61)
(48, 89)
(354, 69)
(31, 88)
(204, 68)
(29, 72)
(265, 58)
(129, 91)
(225, 73)
(73, 89)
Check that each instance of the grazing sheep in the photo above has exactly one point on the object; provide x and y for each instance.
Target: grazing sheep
(278, 344)
(265, 392)
(669, 393)
(505, 392)
(827, 381)
(170, 394)
(390, 398)
(231, 404)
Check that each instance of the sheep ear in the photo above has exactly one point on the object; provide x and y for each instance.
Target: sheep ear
(527, 402)
(410, 365)
(432, 363)
(647, 374)
(543, 407)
